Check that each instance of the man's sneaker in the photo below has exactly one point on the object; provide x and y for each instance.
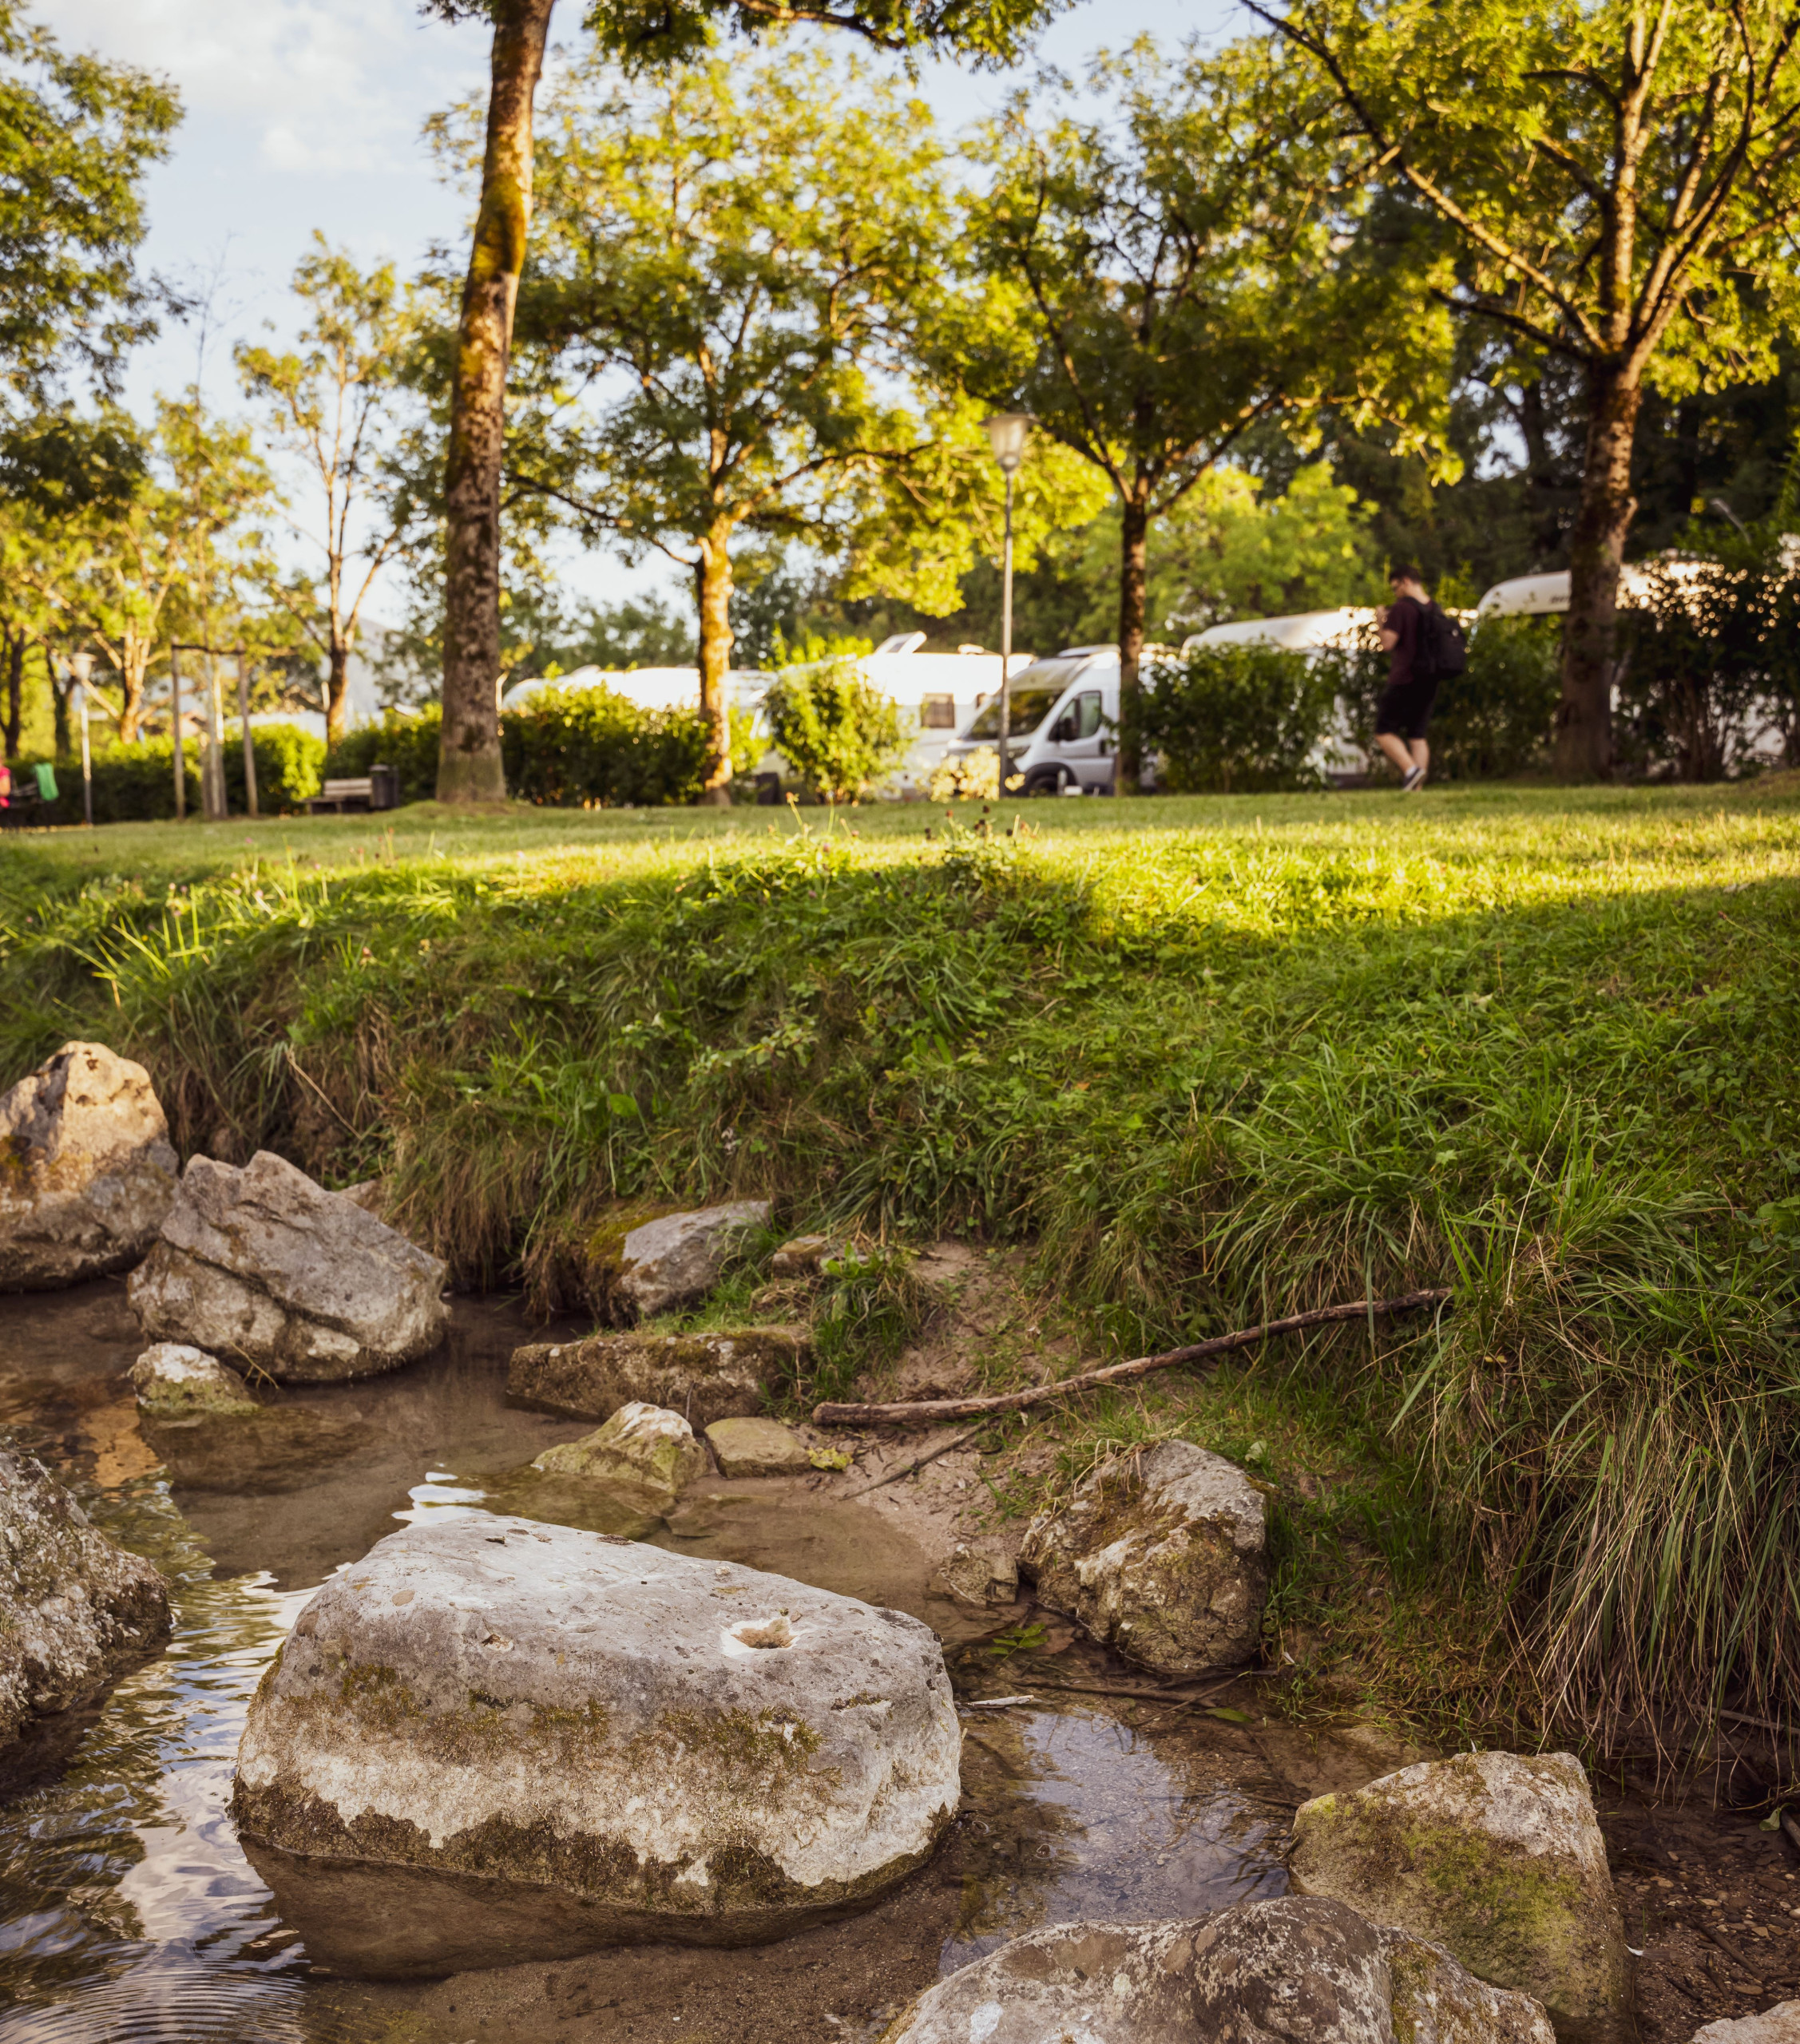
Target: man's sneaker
(1415, 778)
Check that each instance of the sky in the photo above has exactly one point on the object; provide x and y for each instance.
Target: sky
(306, 115)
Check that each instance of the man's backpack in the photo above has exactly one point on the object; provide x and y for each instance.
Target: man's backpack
(1442, 650)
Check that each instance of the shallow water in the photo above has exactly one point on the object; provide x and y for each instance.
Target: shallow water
(128, 1911)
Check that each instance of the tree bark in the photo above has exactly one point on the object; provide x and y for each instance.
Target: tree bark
(337, 697)
(713, 588)
(15, 690)
(134, 667)
(1133, 549)
(1603, 518)
(469, 767)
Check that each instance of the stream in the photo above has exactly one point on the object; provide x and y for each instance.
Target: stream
(129, 1912)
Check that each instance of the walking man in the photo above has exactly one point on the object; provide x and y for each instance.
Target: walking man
(1405, 712)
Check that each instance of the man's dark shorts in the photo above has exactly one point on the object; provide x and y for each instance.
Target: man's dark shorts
(1404, 709)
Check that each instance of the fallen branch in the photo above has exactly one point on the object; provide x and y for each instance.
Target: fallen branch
(1015, 1401)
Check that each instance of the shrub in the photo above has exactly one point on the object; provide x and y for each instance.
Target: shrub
(409, 744)
(136, 783)
(1237, 719)
(837, 731)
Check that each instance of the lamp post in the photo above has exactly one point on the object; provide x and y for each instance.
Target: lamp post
(80, 666)
(1007, 433)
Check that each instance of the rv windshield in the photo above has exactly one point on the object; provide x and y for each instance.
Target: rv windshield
(1034, 694)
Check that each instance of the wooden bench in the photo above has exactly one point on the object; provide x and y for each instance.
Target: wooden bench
(353, 793)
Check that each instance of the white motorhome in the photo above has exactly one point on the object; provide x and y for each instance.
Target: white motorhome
(1062, 714)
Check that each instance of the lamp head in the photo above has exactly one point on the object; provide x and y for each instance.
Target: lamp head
(1007, 433)
(80, 666)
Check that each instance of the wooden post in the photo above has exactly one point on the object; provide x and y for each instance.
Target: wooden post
(244, 719)
(175, 725)
(212, 766)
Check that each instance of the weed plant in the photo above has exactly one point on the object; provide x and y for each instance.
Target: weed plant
(1269, 1055)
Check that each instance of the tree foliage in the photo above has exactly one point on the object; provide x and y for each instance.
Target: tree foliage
(837, 731)
(1236, 719)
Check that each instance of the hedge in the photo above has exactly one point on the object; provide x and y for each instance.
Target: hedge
(136, 783)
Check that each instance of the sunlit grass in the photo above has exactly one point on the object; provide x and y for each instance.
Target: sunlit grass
(1210, 1058)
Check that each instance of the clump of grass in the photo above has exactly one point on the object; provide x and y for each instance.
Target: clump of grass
(1265, 1055)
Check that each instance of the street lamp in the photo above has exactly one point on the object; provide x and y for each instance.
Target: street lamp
(1007, 433)
(80, 666)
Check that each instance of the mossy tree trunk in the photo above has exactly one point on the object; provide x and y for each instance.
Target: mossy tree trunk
(1602, 520)
(469, 766)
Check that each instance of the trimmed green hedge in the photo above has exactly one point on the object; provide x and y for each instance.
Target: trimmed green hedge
(136, 783)
(567, 748)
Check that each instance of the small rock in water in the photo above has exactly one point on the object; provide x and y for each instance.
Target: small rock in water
(1162, 1553)
(493, 1741)
(90, 1174)
(1291, 1971)
(804, 1256)
(175, 1381)
(704, 1377)
(76, 1611)
(668, 1261)
(643, 1452)
(1499, 1858)
(262, 1263)
(200, 1420)
(757, 1448)
(1780, 2025)
(980, 1575)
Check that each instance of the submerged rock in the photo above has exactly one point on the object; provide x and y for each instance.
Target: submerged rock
(666, 1261)
(86, 1170)
(1499, 1858)
(980, 1575)
(76, 1611)
(494, 1741)
(704, 1377)
(264, 1265)
(199, 1419)
(757, 1448)
(1163, 1553)
(1300, 1971)
(644, 1454)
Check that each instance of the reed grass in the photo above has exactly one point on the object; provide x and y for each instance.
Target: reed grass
(1210, 1059)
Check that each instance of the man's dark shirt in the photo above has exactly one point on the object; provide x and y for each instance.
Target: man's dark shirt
(1403, 615)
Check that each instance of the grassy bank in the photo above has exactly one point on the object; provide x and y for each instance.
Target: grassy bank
(1209, 1059)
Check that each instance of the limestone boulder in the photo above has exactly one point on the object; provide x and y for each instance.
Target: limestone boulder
(757, 1448)
(1497, 1856)
(199, 1419)
(76, 1611)
(666, 1261)
(1290, 1971)
(1163, 1554)
(1780, 2025)
(495, 1741)
(644, 1455)
(260, 1265)
(86, 1170)
(704, 1377)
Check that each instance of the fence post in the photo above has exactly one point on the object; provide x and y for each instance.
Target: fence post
(244, 719)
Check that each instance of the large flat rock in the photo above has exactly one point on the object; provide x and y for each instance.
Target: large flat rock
(76, 1611)
(494, 1741)
(1497, 1856)
(1291, 1971)
(704, 1377)
(261, 1265)
(1162, 1554)
(86, 1170)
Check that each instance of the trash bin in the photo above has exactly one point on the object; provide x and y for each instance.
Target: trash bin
(384, 787)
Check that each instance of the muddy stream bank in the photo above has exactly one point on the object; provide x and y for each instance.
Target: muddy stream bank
(129, 1912)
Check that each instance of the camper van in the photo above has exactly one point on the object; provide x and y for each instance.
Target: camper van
(1063, 714)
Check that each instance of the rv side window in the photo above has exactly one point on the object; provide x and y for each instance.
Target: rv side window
(937, 713)
(1086, 709)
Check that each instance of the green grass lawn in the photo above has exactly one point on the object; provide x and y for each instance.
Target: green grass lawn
(1210, 1058)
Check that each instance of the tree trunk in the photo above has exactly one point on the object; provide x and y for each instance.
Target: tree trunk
(469, 768)
(1603, 518)
(15, 690)
(1135, 531)
(135, 665)
(337, 697)
(712, 589)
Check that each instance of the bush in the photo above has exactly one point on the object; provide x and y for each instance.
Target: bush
(1237, 719)
(136, 783)
(837, 731)
(566, 748)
